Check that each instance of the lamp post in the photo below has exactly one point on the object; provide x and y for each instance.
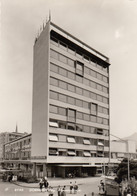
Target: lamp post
(128, 168)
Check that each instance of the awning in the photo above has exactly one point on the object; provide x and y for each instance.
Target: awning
(87, 154)
(86, 141)
(67, 165)
(53, 138)
(53, 124)
(71, 153)
(71, 139)
(100, 144)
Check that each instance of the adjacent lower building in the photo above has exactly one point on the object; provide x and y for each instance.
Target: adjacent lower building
(7, 137)
(70, 116)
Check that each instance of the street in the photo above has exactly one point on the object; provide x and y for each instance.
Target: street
(86, 186)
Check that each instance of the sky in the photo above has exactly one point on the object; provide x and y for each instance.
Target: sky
(107, 26)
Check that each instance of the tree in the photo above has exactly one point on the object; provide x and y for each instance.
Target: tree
(122, 170)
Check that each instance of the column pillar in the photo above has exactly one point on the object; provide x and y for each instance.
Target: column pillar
(34, 169)
(44, 170)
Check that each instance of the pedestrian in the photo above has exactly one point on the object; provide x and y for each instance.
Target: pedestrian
(71, 187)
(59, 190)
(46, 184)
(63, 192)
(75, 188)
(50, 191)
(41, 184)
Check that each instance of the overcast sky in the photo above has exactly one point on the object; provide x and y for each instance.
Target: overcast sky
(109, 26)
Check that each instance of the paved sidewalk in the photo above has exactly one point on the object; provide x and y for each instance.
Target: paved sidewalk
(54, 182)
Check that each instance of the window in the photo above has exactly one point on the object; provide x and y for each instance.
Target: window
(54, 54)
(79, 90)
(71, 50)
(99, 120)
(92, 84)
(79, 115)
(105, 110)
(53, 137)
(93, 119)
(53, 109)
(99, 87)
(71, 75)
(86, 141)
(79, 68)
(93, 73)
(86, 81)
(105, 79)
(79, 79)
(79, 140)
(100, 109)
(105, 89)
(71, 115)
(62, 72)
(79, 127)
(99, 76)
(105, 100)
(86, 117)
(63, 46)
(53, 95)
(99, 98)
(99, 131)
(62, 138)
(71, 62)
(86, 129)
(53, 81)
(86, 93)
(62, 125)
(63, 85)
(53, 124)
(62, 98)
(62, 111)
(93, 108)
(71, 140)
(79, 103)
(71, 100)
(79, 54)
(54, 41)
(93, 96)
(71, 126)
(105, 121)
(71, 88)
(62, 58)
(85, 105)
(87, 70)
(54, 68)
(86, 58)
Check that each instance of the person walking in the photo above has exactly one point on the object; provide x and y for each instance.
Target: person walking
(75, 187)
(41, 184)
(46, 184)
(71, 187)
(59, 190)
(63, 192)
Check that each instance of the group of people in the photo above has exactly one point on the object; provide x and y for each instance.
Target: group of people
(43, 182)
(61, 191)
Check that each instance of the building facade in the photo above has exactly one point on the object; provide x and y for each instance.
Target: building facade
(7, 137)
(70, 117)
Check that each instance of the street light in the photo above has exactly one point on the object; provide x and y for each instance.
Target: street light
(128, 168)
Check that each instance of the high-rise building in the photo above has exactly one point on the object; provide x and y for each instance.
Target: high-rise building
(70, 117)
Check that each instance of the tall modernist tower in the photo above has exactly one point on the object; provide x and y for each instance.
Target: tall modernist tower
(70, 117)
